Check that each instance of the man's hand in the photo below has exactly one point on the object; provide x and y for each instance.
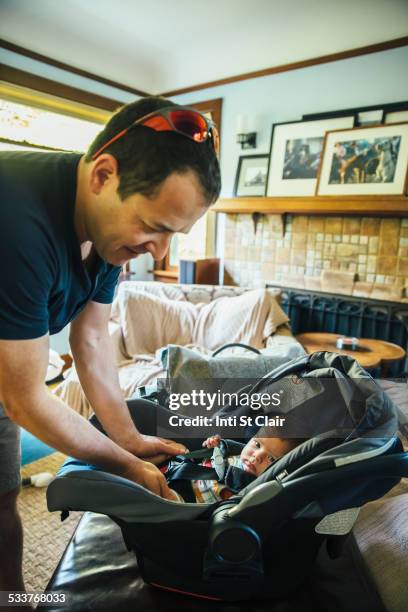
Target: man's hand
(212, 441)
(155, 450)
(148, 476)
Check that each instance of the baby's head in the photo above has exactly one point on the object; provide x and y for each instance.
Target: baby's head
(260, 452)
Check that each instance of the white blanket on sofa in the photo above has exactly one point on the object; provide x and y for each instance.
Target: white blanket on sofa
(249, 318)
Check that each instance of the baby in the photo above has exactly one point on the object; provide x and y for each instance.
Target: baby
(259, 452)
(256, 456)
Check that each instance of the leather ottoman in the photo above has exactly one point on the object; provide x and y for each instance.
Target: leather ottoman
(97, 573)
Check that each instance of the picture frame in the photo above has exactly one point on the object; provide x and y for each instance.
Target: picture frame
(369, 161)
(252, 175)
(371, 117)
(361, 112)
(396, 117)
(296, 148)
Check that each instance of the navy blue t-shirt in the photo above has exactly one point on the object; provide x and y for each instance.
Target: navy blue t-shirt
(43, 281)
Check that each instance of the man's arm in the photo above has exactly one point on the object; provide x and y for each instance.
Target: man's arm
(92, 351)
(23, 365)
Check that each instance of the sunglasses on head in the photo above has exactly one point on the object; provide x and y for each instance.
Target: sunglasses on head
(183, 120)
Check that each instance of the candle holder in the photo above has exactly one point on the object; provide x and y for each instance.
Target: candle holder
(347, 343)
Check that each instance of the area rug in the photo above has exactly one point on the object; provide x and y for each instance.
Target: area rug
(45, 536)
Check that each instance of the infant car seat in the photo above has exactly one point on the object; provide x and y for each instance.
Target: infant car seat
(263, 541)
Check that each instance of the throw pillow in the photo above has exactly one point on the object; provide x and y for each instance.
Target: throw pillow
(249, 318)
(149, 322)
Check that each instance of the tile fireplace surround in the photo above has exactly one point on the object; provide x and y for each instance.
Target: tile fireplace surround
(364, 256)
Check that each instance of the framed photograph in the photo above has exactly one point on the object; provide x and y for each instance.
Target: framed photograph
(365, 161)
(396, 117)
(252, 175)
(296, 150)
(364, 114)
(371, 117)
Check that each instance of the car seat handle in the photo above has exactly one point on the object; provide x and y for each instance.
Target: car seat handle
(247, 347)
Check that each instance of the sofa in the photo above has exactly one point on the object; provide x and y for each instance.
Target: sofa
(148, 316)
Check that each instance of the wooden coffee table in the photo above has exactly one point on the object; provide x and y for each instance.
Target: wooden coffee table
(370, 353)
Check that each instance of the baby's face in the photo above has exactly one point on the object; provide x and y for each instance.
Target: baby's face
(259, 453)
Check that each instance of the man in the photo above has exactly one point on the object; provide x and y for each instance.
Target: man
(68, 222)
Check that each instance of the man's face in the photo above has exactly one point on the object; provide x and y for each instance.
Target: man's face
(120, 230)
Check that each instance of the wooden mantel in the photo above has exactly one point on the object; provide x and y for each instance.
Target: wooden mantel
(316, 205)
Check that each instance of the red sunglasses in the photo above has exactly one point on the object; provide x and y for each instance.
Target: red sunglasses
(186, 121)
